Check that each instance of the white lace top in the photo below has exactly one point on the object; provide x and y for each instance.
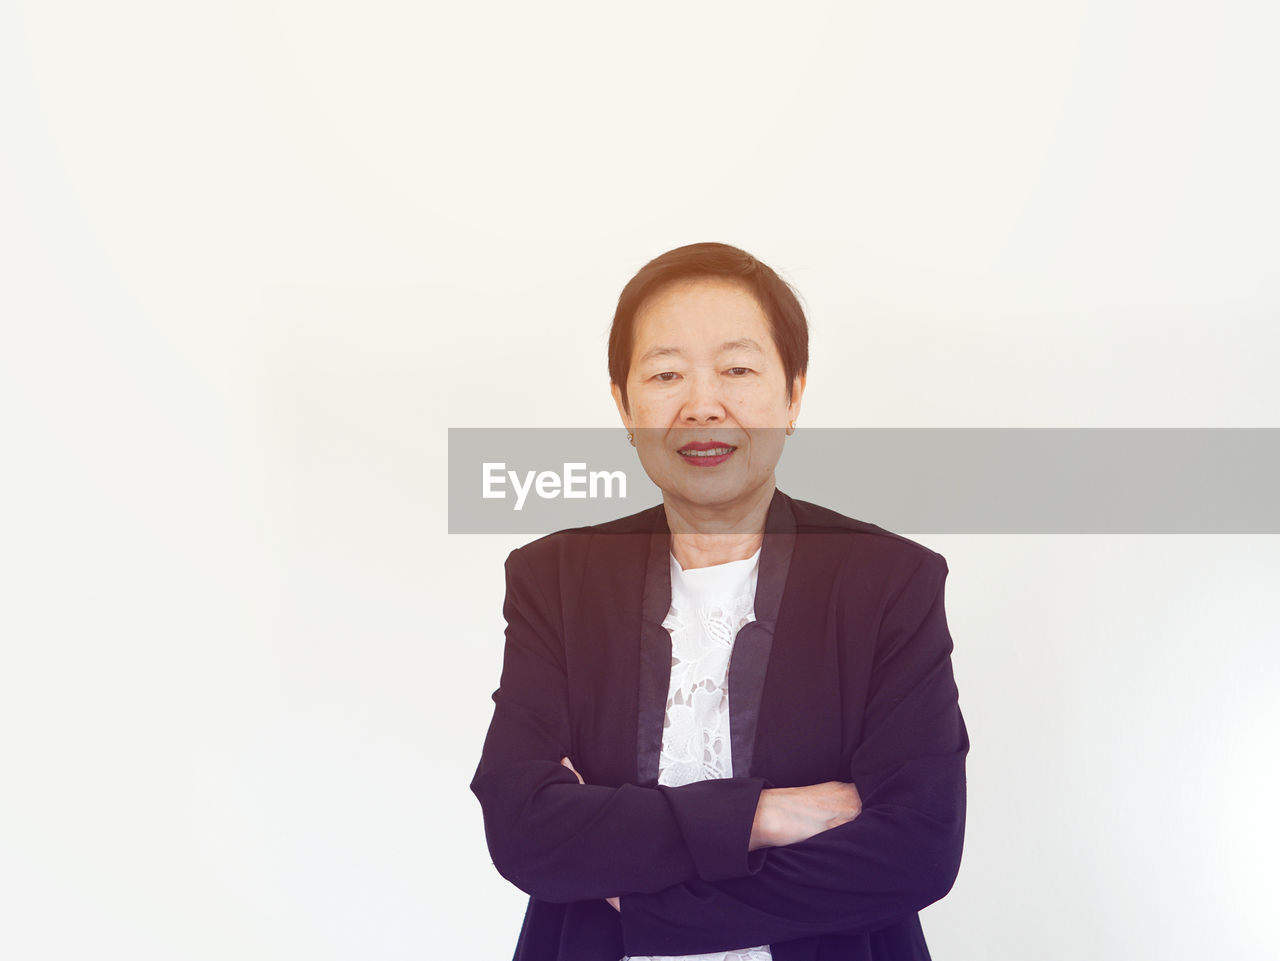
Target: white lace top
(708, 607)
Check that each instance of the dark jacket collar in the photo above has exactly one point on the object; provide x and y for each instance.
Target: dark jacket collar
(750, 658)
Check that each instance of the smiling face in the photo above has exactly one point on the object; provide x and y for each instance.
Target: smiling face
(708, 397)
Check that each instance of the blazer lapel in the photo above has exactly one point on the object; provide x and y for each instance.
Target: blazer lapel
(655, 652)
(749, 661)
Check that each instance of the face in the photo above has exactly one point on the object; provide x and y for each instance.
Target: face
(708, 395)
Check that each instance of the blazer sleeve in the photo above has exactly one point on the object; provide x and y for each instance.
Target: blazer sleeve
(560, 840)
(899, 855)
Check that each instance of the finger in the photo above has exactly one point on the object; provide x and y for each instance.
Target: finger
(569, 764)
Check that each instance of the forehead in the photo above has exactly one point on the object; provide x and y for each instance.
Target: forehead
(702, 306)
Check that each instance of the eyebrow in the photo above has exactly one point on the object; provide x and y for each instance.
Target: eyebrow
(662, 350)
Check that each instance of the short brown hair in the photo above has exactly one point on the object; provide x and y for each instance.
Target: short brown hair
(776, 298)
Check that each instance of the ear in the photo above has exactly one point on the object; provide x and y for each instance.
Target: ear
(622, 410)
(797, 392)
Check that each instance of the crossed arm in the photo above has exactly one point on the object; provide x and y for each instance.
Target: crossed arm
(730, 863)
(788, 815)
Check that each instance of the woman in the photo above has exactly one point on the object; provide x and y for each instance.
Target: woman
(727, 725)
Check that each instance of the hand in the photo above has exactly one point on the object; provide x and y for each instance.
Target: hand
(569, 764)
(791, 814)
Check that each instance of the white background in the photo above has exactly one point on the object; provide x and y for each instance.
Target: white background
(258, 257)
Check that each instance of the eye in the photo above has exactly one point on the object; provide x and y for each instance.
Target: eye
(739, 371)
(666, 376)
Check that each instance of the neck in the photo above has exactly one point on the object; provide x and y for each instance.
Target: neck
(703, 537)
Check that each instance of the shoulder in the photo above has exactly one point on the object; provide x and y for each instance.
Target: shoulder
(609, 545)
(877, 574)
(860, 545)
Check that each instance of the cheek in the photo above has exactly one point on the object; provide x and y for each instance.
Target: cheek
(760, 407)
(647, 415)
(766, 448)
(650, 411)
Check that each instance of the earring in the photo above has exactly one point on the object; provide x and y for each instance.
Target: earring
(791, 428)
(631, 438)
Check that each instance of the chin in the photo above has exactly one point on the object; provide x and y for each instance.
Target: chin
(714, 492)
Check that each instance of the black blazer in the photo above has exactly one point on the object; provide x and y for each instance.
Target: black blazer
(844, 675)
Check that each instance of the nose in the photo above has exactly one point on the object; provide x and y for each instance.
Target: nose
(703, 403)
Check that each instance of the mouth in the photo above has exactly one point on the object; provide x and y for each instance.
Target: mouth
(706, 453)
